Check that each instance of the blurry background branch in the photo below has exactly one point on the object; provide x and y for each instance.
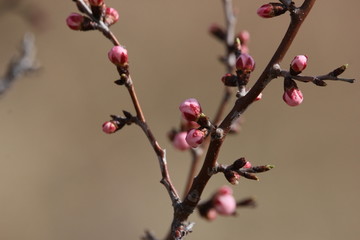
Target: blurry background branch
(23, 64)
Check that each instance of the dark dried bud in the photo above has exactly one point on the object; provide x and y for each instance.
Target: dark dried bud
(232, 177)
(229, 80)
(339, 70)
(239, 163)
(319, 82)
(218, 32)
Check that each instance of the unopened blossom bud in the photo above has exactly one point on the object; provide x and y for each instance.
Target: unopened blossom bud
(293, 97)
(118, 55)
(179, 141)
(109, 127)
(111, 16)
(190, 109)
(298, 64)
(271, 10)
(195, 137)
(244, 37)
(96, 2)
(245, 63)
(211, 214)
(224, 202)
(75, 21)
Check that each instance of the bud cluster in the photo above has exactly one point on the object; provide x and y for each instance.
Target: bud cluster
(192, 113)
(292, 95)
(99, 12)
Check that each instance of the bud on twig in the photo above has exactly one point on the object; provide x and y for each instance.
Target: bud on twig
(190, 109)
(298, 64)
(271, 10)
(118, 55)
(292, 95)
(111, 16)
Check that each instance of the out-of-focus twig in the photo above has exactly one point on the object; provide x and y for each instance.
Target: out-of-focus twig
(23, 64)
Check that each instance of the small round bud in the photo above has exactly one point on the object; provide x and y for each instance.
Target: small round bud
(74, 21)
(96, 2)
(299, 63)
(271, 10)
(244, 37)
(190, 109)
(293, 97)
(111, 16)
(179, 141)
(118, 55)
(245, 63)
(109, 127)
(224, 202)
(195, 137)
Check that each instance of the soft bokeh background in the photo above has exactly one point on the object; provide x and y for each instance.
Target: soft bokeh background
(62, 178)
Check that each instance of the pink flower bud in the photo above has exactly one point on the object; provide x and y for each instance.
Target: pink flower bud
(224, 202)
(109, 127)
(271, 10)
(74, 21)
(96, 2)
(247, 165)
(190, 109)
(195, 137)
(118, 55)
(111, 16)
(299, 63)
(293, 97)
(244, 37)
(179, 141)
(245, 63)
(211, 214)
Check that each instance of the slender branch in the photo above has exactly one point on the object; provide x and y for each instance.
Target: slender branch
(23, 64)
(297, 17)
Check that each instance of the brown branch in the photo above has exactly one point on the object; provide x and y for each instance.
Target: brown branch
(166, 181)
(298, 16)
(229, 62)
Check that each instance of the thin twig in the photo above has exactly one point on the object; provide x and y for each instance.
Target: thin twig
(25, 63)
(190, 202)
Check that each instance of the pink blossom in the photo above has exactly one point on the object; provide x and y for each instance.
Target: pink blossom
(299, 63)
(118, 55)
(179, 141)
(109, 127)
(244, 37)
(245, 63)
(111, 16)
(190, 109)
(195, 137)
(224, 202)
(74, 21)
(293, 97)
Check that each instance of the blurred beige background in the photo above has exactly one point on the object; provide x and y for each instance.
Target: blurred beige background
(62, 178)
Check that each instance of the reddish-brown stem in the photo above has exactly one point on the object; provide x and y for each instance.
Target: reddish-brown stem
(229, 62)
(166, 181)
(298, 15)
